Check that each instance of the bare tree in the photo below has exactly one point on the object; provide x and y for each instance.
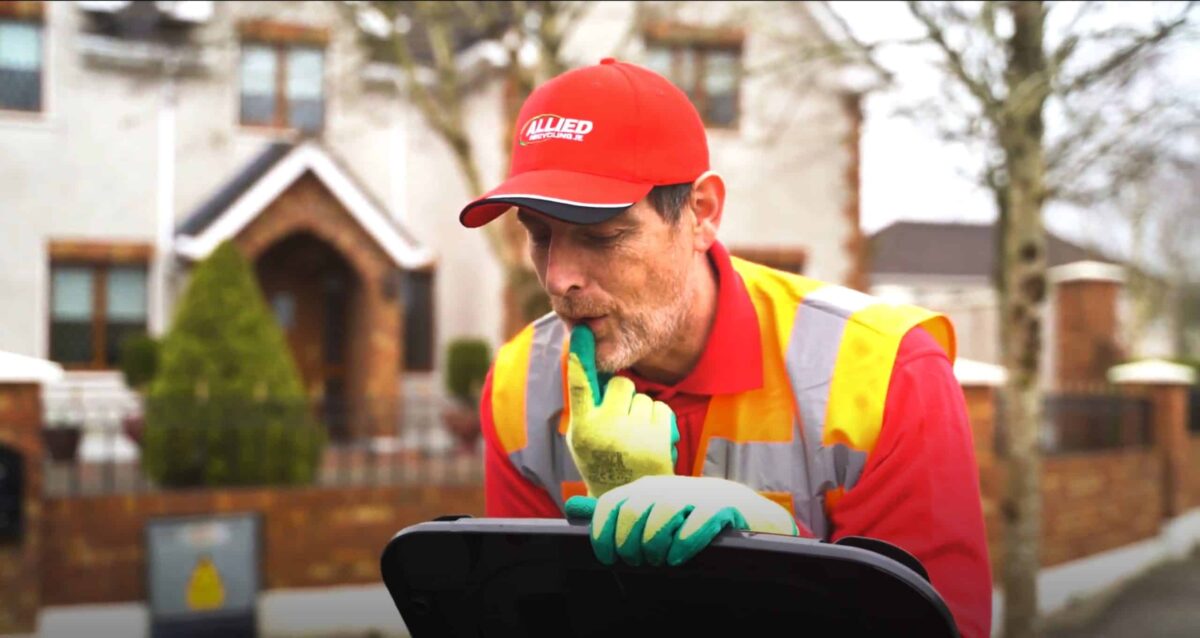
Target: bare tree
(425, 42)
(1004, 74)
(1172, 220)
(1156, 202)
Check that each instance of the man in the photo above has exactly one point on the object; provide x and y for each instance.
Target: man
(695, 391)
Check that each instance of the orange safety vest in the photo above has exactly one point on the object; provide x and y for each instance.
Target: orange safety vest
(802, 439)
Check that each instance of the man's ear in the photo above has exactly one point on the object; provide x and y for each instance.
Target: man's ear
(707, 204)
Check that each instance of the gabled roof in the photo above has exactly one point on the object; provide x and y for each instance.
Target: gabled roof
(233, 206)
(19, 368)
(208, 212)
(949, 249)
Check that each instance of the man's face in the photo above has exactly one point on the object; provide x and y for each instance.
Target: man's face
(626, 278)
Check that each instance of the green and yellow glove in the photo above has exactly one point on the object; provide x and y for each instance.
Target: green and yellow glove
(617, 436)
(668, 519)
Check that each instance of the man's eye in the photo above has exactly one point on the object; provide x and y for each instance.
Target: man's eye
(539, 239)
(603, 240)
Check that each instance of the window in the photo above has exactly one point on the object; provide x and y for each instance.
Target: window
(705, 63)
(20, 64)
(282, 75)
(282, 86)
(418, 320)
(97, 300)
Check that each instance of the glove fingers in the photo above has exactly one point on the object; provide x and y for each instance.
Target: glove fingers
(701, 527)
(641, 409)
(582, 507)
(770, 517)
(674, 430)
(604, 528)
(580, 391)
(619, 394)
(583, 347)
(659, 532)
(630, 523)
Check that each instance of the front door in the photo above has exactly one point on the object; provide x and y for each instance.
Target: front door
(309, 287)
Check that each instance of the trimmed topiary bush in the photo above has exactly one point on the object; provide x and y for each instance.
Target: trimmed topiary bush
(227, 406)
(138, 360)
(467, 363)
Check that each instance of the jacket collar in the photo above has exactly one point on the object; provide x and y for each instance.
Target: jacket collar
(732, 357)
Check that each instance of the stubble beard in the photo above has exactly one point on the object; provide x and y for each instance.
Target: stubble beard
(644, 332)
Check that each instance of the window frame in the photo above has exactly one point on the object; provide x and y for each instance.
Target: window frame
(28, 12)
(100, 259)
(405, 277)
(282, 38)
(702, 42)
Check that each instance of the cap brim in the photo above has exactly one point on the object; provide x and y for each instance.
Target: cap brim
(577, 198)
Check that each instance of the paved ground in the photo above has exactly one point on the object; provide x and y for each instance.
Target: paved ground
(362, 611)
(1163, 603)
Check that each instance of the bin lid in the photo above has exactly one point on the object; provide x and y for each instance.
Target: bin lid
(539, 577)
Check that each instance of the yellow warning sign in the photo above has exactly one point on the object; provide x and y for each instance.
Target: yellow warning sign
(205, 590)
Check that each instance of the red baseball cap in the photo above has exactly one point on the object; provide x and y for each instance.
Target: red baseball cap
(593, 141)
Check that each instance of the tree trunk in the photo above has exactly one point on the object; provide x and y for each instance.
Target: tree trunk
(1024, 276)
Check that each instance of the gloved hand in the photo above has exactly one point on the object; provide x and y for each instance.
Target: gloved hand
(669, 519)
(618, 436)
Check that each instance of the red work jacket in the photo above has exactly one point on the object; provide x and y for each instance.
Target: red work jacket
(919, 489)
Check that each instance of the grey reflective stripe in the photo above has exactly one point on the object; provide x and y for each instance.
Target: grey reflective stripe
(803, 466)
(811, 358)
(545, 459)
(763, 466)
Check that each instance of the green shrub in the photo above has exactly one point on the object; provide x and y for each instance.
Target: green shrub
(138, 360)
(467, 363)
(227, 406)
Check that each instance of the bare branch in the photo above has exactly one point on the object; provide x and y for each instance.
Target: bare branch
(1070, 41)
(420, 94)
(955, 63)
(854, 44)
(1125, 56)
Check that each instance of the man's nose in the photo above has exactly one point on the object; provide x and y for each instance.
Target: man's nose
(564, 270)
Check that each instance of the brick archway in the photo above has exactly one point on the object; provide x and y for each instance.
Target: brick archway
(372, 358)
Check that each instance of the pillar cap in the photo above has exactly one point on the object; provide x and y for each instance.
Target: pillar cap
(19, 368)
(1152, 371)
(977, 373)
(1086, 271)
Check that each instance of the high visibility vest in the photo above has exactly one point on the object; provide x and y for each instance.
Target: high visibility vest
(802, 439)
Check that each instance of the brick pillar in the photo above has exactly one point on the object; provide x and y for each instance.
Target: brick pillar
(1166, 386)
(1085, 342)
(382, 355)
(20, 432)
(980, 383)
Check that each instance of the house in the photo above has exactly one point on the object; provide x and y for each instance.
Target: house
(949, 267)
(136, 136)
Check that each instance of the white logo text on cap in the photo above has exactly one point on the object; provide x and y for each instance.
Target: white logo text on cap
(554, 127)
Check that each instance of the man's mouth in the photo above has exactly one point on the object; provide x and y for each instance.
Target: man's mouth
(593, 322)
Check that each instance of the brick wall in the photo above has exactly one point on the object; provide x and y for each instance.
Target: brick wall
(20, 419)
(1099, 501)
(94, 550)
(1091, 502)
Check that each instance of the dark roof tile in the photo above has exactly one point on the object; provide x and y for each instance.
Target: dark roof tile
(931, 248)
(210, 210)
